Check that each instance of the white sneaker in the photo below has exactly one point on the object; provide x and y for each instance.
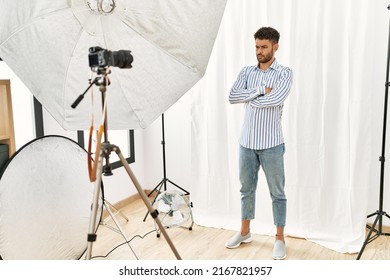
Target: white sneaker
(237, 239)
(279, 250)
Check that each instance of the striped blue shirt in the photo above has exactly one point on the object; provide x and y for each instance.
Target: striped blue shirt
(262, 127)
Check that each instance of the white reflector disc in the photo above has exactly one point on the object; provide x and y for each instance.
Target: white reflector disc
(45, 201)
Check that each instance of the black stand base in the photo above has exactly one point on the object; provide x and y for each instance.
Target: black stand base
(158, 188)
(378, 232)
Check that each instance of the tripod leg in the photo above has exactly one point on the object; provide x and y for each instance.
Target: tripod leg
(186, 192)
(368, 238)
(92, 221)
(157, 192)
(144, 197)
(117, 211)
(120, 229)
(157, 188)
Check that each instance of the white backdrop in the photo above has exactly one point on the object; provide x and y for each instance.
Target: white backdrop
(332, 119)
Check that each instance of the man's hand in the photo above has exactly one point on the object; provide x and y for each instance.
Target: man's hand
(267, 90)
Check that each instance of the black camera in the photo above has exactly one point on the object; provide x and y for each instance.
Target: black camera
(99, 57)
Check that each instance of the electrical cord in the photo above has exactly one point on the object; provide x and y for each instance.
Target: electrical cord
(124, 243)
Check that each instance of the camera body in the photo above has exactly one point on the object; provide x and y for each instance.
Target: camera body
(101, 58)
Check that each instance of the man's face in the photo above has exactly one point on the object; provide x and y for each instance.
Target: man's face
(265, 50)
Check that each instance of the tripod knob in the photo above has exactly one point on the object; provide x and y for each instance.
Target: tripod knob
(107, 170)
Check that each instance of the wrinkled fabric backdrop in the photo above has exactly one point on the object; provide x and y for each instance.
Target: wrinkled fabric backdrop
(332, 119)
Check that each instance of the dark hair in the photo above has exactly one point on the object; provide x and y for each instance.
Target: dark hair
(267, 33)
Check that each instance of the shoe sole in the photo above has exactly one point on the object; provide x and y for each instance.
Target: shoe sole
(280, 258)
(238, 244)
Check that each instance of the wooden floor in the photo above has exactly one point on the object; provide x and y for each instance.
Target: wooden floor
(203, 243)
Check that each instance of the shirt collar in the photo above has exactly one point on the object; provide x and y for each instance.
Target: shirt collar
(273, 66)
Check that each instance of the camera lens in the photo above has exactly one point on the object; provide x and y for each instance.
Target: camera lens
(122, 59)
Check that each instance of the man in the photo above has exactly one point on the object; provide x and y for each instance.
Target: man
(262, 88)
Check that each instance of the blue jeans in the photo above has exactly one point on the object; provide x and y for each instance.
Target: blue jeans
(272, 163)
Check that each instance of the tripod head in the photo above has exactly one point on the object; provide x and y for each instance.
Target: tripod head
(102, 80)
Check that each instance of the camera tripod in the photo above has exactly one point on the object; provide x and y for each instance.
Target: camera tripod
(103, 151)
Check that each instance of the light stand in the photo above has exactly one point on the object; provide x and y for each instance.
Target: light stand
(104, 153)
(380, 213)
(163, 182)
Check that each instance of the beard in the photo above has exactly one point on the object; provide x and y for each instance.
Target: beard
(265, 58)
